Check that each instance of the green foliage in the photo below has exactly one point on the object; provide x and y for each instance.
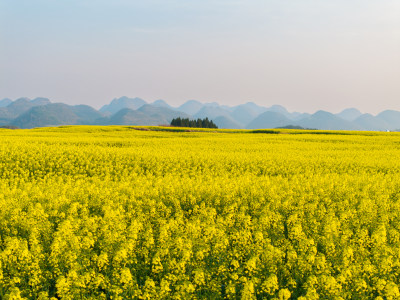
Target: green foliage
(199, 123)
(116, 213)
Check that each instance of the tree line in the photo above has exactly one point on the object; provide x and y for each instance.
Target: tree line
(199, 123)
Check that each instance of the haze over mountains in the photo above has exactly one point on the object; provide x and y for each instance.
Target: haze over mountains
(41, 112)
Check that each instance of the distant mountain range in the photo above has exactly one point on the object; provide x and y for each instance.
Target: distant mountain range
(41, 112)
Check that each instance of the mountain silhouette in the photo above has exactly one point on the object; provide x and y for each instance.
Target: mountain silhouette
(391, 117)
(190, 107)
(4, 102)
(349, 114)
(269, 119)
(328, 121)
(123, 102)
(369, 122)
(226, 122)
(39, 112)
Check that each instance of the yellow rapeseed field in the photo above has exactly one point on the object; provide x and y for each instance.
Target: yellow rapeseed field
(120, 213)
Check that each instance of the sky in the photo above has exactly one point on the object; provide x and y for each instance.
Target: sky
(303, 54)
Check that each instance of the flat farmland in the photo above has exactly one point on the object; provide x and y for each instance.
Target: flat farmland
(142, 213)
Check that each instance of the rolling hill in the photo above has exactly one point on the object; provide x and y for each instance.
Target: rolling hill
(328, 121)
(161, 103)
(349, 114)
(15, 108)
(164, 115)
(122, 102)
(226, 122)
(127, 116)
(190, 107)
(269, 119)
(27, 113)
(211, 112)
(244, 114)
(48, 115)
(4, 102)
(391, 117)
(369, 122)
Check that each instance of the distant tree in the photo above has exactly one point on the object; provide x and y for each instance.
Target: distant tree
(199, 123)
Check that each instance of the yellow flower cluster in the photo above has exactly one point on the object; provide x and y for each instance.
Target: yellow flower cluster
(118, 213)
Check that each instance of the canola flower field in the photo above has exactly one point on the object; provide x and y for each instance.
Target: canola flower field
(118, 213)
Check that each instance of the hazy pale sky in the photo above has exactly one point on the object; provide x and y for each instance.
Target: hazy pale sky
(303, 54)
